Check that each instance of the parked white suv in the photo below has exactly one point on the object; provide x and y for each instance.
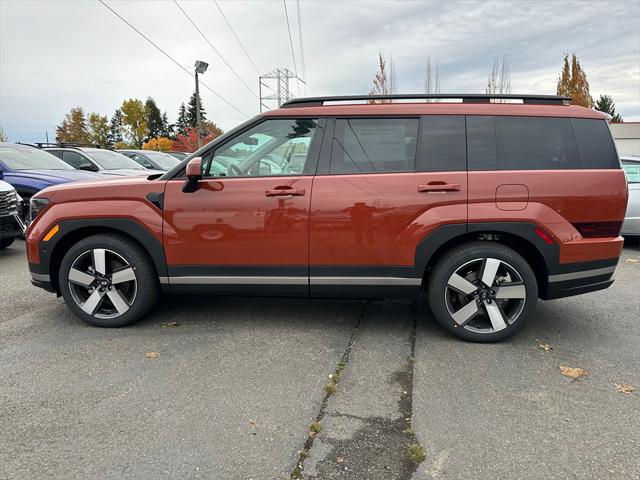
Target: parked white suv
(11, 225)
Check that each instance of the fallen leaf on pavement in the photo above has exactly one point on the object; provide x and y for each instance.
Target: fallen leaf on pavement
(545, 346)
(632, 260)
(152, 354)
(573, 372)
(169, 324)
(622, 388)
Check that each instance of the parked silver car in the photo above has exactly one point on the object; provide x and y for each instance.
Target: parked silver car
(631, 226)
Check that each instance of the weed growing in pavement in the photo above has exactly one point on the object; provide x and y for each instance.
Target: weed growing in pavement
(416, 453)
(315, 427)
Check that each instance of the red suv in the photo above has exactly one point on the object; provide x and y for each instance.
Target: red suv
(487, 203)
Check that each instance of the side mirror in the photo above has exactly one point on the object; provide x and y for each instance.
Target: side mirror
(88, 167)
(194, 175)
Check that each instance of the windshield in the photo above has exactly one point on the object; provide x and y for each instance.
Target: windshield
(112, 160)
(19, 157)
(164, 160)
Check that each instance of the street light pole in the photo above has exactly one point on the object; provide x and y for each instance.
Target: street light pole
(198, 118)
(201, 67)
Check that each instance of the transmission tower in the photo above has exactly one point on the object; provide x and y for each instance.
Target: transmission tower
(278, 81)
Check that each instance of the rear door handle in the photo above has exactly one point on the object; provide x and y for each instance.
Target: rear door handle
(285, 191)
(439, 187)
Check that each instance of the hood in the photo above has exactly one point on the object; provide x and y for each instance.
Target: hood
(54, 176)
(130, 188)
(5, 187)
(125, 172)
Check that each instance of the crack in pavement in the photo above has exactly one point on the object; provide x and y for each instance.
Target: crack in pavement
(366, 426)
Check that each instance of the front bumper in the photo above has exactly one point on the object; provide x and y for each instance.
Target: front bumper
(11, 226)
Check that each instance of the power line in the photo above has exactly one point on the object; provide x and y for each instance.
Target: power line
(295, 68)
(172, 59)
(236, 37)
(304, 73)
(214, 49)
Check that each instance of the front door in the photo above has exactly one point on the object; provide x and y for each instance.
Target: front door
(246, 227)
(383, 186)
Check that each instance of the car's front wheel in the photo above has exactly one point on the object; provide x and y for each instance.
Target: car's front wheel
(482, 291)
(108, 280)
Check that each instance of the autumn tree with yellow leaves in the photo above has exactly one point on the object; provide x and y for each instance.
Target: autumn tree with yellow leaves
(572, 82)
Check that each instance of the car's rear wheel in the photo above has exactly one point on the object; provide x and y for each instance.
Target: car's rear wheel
(108, 280)
(482, 291)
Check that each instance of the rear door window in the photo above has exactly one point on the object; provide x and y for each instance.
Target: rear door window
(595, 143)
(442, 144)
(369, 145)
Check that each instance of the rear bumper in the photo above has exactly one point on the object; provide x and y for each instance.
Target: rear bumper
(580, 278)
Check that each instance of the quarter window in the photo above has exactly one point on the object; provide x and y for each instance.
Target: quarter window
(595, 144)
(374, 145)
(272, 148)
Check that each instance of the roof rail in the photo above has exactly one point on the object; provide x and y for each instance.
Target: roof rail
(465, 97)
(66, 145)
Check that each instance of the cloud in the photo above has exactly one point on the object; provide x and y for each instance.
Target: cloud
(55, 55)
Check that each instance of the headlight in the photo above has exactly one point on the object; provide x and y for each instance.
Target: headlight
(36, 205)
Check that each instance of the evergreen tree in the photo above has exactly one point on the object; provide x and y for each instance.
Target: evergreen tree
(573, 83)
(167, 128)
(191, 112)
(605, 104)
(115, 128)
(182, 125)
(153, 117)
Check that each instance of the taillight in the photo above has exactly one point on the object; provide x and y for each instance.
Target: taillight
(599, 229)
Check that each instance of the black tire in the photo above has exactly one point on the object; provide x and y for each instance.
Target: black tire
(145, 282)
(463, 258)
(5, 242)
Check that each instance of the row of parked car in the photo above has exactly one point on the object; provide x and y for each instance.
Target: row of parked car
(27, 169)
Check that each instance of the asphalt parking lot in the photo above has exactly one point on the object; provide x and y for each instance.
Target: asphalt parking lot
(228, 387)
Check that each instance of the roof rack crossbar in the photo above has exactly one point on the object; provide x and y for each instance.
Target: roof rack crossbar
(66, 145)
(465, 97)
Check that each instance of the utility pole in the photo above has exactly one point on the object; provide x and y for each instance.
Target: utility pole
(201, 67)
(281, 92)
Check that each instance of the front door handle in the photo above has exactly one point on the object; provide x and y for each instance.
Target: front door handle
(439, 187)
(285, 191)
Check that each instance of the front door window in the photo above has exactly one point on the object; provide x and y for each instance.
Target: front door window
(277, 147)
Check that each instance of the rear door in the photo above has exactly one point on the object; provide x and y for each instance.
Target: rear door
(383, 185)
(246, 228)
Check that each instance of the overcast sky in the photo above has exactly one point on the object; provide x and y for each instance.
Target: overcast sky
(55, 55)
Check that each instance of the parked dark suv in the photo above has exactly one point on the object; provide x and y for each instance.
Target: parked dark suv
(486, 205)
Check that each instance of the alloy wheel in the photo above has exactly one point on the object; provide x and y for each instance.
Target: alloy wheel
(102, 283)
(485, 295)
